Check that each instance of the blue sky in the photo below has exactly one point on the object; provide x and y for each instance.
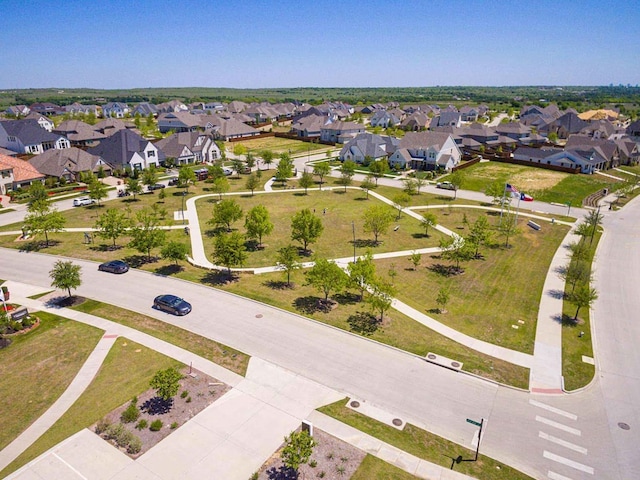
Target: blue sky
(317, 43)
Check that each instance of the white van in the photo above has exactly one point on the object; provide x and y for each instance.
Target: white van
(82, 201)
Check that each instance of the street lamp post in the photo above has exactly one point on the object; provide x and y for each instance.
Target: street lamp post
(183, 195)
(353, 228)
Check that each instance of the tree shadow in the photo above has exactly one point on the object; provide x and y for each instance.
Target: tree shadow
(567, 320)
(365, 243)
(364, 323)
(219, 277)
(103, 247)
(310, 305)
(253, 245)
(446, 270)
(168, 270)
(420, 235)
(136, 261)
(157, 406)
(346, 298)
(561, 270)
(64, 301)
(304, 253)
(36, 246)
(277, 285)
(282, 473)
(300, 194)
(555, 293)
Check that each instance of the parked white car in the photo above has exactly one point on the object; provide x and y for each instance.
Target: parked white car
(446, 185)
(82, 201)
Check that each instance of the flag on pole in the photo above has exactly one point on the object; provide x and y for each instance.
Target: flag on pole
(513, 190)
(526, 198)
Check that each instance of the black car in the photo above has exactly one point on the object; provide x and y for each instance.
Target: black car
(173, 181)
(114, 266)
(172, 304)
(156, 186)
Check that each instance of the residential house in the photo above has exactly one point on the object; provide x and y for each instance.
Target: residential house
(340, 132)
(18, 111)
(47, 109)
(601, 114)
(308, 126)
(144, 109)
(80, 109)
(563, 126)
(43, 121)
(68, 163)
(599, 129)
(608, 149)
(115, 110)
(189, 147)
(16, 173)
(78, 133)
(633, 130)
(127, 149)
(446, 119)
(628, 151)
(426, 151)
(109, 126)
(416, 122)
(536, 116)
(26, 136)
(232, 128)
(178, 122)
(368, 146)
(384, 119)
(213, 107)
(588, 162)
(236, 106)
(469, 114)
(514, 130)
(174, 106)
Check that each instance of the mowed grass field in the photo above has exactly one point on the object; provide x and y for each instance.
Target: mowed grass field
(495, 292)
(278, 145)
(38, 367)
(543, 185)
(340, 213)
(126, 372)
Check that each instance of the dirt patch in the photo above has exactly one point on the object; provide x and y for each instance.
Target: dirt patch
(333, 460)
(202, 390)
(537, 179)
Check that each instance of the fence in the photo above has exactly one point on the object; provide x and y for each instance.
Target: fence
(252, 137)
(466, 164)
(293, 136)
(556, 168)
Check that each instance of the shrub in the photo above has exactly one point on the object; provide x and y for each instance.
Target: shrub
(188, 400)
(254, 476)
(142, 424)
(131, 414)
(102, 425)
(313, 464)
(124, 437)
(135, 445)
(341, 470)
(174, 425)
(184, 394)
(113, 431)
(321, 474)
(329, 455)
(155, 426)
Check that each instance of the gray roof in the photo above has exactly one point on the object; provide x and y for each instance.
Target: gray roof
(173, 145)
(117, 149)
(371, 145)
(77, 131)
(537, 153)
(55, 162)
(415, 140)
(29, 131)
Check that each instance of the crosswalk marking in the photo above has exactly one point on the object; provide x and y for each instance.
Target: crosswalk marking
(535, 403)
(567, 462)
(564, 443)
(556, 476)
(557, 425)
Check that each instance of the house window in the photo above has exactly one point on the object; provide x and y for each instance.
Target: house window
(11, 138)
(151, 153)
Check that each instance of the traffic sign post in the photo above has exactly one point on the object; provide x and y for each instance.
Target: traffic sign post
(477, 424)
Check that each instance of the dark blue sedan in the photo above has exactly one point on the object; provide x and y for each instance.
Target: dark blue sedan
(114, 266)
(172, 304)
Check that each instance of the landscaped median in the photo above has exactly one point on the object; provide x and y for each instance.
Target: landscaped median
(423, 444)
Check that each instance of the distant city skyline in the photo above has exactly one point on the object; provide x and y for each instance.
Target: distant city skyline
(270, 44)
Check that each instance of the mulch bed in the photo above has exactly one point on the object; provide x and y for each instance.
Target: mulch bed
(202, 391)
(334, 460)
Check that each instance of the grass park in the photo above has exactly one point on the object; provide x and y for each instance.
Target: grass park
(279, 145)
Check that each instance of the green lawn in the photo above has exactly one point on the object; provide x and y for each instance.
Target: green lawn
(423, 445)
(372, 468)
(126, 372)
(38, 367)
(494, 292)
(577, 373)
(279, 145)
(216, 352)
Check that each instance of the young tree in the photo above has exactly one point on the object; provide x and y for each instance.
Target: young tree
(147, 235)
(239, 149)
(175, 251)
(577, 272)
(258, 223)
(161, 195)
(429, 219)
(42, 218)
(287, 261)
(230, 250)
(347, 171)
(166, 383)
(214, 172)
(583, 296)
(320, 170)
(367, 184)
(583, 230)
(250, 160)
(415, 258)
(37, 197)
(326, 276)
(133, 186)
(112, 224)
(238, 165)
(306, 181)
(297, 450)
(377, 220)
(284, 170)
(508, 228)
(410, 187)
(379, 168)
(457, 179)
(443, 298)
(97, 189)
(362, 273)
(496, 191)
(306, 228)
(456, 250)
(252, 183)
(65, 275)
(594, 220)
(381, 297)
(225, 213)
(186, 177)
(400, 202)
(220, 186)
(480, 234)
(150, 176)
(267, 158)
(420, 182)
(580, 251)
